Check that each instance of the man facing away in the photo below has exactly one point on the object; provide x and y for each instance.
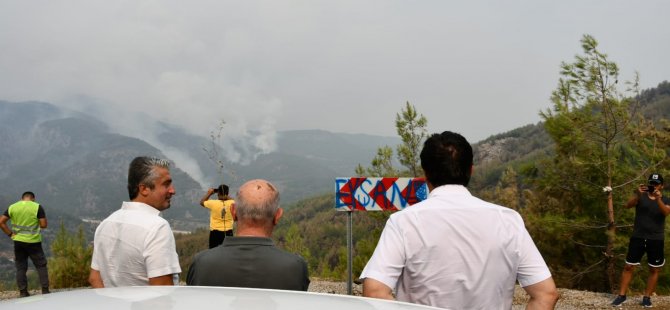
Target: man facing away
(453, 250)
(250, 258)
(220, 218)
(651, 208)
(28, 218)
(134, 245)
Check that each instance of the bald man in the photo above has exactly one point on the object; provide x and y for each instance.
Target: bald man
(250, 258)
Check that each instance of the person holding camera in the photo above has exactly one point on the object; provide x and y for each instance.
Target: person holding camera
(651, 208)
(220, 219)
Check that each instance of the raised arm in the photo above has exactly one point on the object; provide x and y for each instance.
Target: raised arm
(632, 202)
(210, 191)
(665, 209)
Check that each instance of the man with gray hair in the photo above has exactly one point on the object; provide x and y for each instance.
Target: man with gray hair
(250, 258)
(134, 245)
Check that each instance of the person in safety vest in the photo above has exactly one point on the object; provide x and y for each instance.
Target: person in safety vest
(28, 219)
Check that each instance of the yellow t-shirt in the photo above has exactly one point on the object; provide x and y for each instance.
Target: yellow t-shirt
(220, 217)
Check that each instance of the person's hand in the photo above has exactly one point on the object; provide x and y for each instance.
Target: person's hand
(211, 191)
(657, 194)
(641, 189)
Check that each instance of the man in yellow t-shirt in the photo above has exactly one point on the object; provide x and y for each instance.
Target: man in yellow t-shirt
(220, 219)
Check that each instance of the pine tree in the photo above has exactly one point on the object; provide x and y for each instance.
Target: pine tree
(71, 261)
(603, 147)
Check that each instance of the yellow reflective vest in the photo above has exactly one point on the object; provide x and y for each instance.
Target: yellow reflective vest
(25, 223)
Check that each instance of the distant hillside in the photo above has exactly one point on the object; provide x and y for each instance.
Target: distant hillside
(531, 142)
(74, 163)
(304, 163)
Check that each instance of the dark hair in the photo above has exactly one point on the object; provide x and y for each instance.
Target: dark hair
(141, 171)
(446, 158)
(222, 189)
(30, 195)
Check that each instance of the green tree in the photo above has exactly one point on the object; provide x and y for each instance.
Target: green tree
(599, 147)
(381, 165)
(411, 128)
(295, 243)
(71, 261)
(507, 190)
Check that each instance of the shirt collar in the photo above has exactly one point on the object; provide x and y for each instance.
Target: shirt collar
(139, 206)
(449, 189)
(247, 240)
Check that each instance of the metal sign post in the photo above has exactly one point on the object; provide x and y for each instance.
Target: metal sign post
(374, 194)
(350, 246)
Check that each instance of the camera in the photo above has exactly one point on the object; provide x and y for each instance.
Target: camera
(216, 190)
(651, 188)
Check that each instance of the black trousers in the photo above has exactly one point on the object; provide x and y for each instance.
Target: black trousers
(216, 237)
(22, 251)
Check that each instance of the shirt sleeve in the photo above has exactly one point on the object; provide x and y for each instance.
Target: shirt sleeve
(532, 268)
(305, 272)
(160, 254)
(95, 258)
(388, 260)
(40, 212)
(208, 204)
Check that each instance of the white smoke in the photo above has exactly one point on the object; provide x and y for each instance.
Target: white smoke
(243, 137)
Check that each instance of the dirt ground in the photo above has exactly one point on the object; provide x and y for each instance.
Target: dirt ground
(569, 299)
(573, 299)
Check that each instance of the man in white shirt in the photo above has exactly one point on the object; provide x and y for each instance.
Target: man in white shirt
(454, 250)
(134, 245)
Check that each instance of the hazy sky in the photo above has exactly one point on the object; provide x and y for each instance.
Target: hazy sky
(475, 67)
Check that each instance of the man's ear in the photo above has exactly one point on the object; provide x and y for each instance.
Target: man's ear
(278, 215)
(233, 212)
(143, 190)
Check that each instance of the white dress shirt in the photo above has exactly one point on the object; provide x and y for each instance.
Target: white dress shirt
(454, 250)
(132, 245)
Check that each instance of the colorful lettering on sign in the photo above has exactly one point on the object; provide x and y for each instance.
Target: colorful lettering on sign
(378, 194)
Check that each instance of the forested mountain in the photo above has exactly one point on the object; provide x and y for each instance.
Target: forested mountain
(78, 166)
(73, 163)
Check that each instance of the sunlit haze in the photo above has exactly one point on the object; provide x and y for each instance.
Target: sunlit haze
(475, 67)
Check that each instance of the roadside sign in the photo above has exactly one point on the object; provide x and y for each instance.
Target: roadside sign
(378, 194)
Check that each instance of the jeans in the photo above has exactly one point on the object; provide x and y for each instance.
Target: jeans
(22, 251)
